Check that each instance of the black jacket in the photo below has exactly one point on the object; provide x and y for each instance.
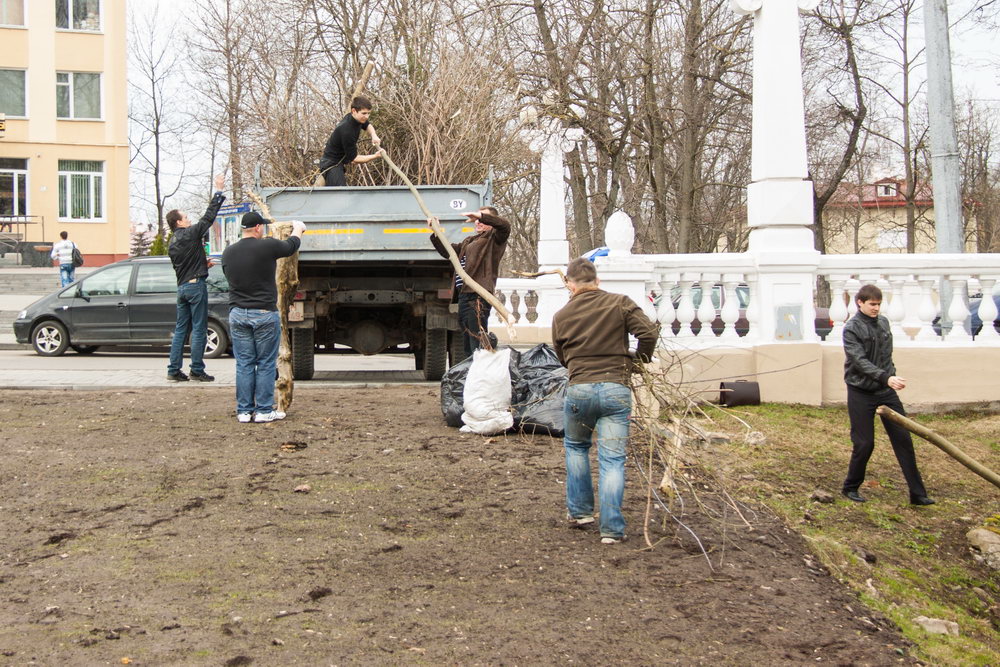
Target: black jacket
(187, 251)
(868, 353)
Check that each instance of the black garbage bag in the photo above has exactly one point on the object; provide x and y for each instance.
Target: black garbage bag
(453, 388)
(540, 392)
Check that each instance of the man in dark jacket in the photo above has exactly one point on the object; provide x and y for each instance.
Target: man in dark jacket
(480, 256)
(590, 336)
(342, 146)
(254, 321)
(872, 381)
(187, 254)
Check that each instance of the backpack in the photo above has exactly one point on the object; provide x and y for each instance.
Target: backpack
(77, 256)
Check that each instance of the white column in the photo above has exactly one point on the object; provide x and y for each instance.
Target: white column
(552, 140)
(779, 199)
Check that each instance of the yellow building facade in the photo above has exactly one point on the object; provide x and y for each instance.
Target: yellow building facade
(64, 153)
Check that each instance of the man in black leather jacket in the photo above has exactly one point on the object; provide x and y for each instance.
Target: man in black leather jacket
(872, 381)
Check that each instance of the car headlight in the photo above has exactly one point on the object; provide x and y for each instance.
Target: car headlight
(23, 315)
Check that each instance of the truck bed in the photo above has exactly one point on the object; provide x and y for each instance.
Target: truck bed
(375, 224)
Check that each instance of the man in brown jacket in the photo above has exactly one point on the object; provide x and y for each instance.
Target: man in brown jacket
(590, 335)
(480, 256)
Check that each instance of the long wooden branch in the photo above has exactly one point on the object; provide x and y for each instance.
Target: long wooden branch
(439, 232)
(939, 441)
(287, 279)
(536, 274)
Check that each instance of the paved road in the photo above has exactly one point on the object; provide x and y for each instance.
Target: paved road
(23, 369)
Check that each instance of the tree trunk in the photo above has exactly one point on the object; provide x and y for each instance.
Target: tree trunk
(287, 277)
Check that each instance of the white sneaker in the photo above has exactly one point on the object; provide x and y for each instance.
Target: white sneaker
(613, 540)
(272, 416)
(243, 417)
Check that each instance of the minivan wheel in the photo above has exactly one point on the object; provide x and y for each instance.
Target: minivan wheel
(216, 341)
(50, 339)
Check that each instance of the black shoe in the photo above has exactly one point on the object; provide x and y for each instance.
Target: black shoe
(202, 377)
(854, 496)
(179, 376)
(921, 500)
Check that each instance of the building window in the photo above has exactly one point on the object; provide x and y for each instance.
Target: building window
(81, 190)
(78, 15)
(12, 98)
(78, 95)
(886, 189)
(11, 12)
(13, 187)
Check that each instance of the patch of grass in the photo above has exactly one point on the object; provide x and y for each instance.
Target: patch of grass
(922, 565)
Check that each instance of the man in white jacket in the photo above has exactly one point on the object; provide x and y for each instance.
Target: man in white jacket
(63, 252)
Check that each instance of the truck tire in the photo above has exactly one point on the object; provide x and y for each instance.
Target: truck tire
(435, 354)
(303, 353)
(456, 348)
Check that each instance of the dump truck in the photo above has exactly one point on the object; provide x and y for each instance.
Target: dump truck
(369, 278)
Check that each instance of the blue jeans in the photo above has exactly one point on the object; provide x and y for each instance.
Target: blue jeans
(473, 319)
(602, 408)
(67, 274)
(192, 316)
(256, 336)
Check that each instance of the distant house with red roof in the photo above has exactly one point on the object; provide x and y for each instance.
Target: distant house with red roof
(872, 218)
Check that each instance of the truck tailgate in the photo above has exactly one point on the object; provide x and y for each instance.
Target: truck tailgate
(375, 223)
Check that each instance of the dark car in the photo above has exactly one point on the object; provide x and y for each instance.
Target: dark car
(131, 302)
(823, 324)
(974, 323)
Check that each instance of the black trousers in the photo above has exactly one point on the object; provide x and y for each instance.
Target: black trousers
(335, 177)
(473, 316)
(861, 407)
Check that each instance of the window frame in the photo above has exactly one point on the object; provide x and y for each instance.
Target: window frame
(70, 18)
(24, 15)
(71, 88)
(68, 195)
(24, 81)
(27, 190)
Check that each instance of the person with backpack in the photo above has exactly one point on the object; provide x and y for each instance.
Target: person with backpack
(62, 252)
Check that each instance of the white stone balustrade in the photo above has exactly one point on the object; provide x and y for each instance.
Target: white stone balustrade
(909, 284)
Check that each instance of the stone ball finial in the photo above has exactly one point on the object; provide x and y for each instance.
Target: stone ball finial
(619, 234)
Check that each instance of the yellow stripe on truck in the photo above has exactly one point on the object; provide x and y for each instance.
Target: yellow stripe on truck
(416, 230)
(335, 231)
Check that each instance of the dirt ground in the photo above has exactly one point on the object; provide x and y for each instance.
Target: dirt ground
(149, 527)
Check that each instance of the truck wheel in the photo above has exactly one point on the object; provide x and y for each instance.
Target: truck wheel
(303, 353)
(435, 354)
(456, 348)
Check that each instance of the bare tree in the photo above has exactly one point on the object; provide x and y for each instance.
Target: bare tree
(157, 122)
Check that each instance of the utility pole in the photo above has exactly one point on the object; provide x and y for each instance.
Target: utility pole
(944, 145)
(945, 167)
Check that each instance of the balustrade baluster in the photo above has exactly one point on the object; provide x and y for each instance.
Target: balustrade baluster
(706, 309)
(958, 311)
(927, 310)
(753, 312)
(987, 312)
(665, 312)
(730, 313)
(685, 308)
(896, 311)
(838, 307)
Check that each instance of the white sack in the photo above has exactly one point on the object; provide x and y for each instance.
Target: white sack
(486, 395)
